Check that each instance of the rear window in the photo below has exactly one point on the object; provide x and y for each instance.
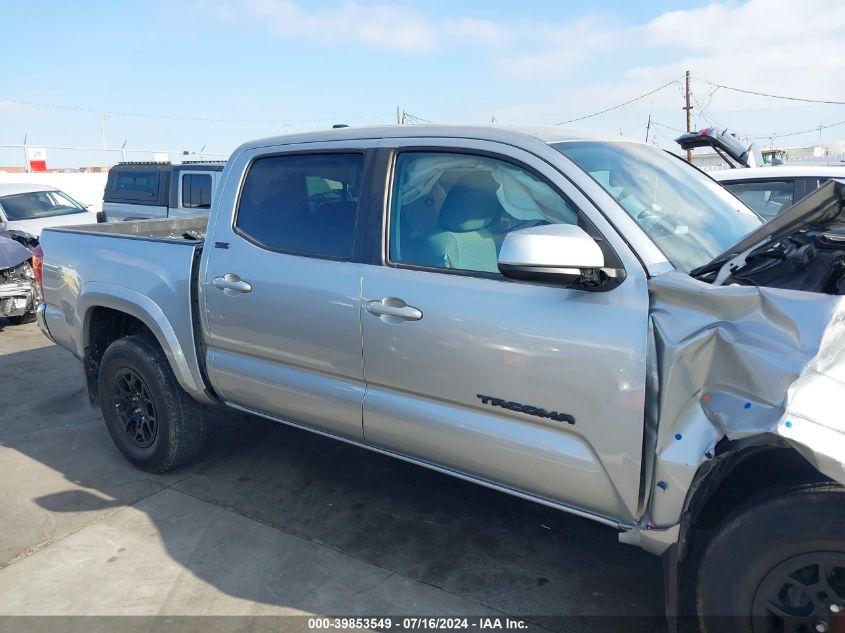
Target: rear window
(304, 204)
(196, 191)
(768, 198)
(136, 185)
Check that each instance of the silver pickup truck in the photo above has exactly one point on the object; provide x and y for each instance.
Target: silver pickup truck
(591, 324)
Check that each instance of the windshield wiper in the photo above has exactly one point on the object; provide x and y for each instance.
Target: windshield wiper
(710, 267)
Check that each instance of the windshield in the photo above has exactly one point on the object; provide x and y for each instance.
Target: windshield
(38, 204)
(689, 217)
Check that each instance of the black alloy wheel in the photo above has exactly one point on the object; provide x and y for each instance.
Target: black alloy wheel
(803, 594)
(135, 408)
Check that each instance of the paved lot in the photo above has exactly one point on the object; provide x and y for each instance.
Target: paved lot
(272, 521)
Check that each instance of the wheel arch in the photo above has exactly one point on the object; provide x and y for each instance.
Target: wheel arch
(739, 471)
(112, 313)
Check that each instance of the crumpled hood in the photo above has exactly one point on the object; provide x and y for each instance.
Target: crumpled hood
(34, 227)
(823, 209)
(12, 253)
(747, 361)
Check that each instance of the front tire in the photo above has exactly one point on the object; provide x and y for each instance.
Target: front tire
(778, 565)
(152, 421)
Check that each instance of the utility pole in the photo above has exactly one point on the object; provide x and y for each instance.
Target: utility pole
(688, 108)
(102, 117)
(399, 116)
(648, 125)
(25, 155)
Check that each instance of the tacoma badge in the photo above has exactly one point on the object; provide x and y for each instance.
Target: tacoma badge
(525, 408)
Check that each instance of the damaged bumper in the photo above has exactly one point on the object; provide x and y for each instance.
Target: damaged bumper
(16, 298)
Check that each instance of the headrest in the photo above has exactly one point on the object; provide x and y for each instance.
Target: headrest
(471, 204)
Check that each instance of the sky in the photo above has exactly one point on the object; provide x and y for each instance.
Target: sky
(180, 75)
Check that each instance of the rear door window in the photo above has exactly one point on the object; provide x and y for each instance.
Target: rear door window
(304, 204)
(768, 198)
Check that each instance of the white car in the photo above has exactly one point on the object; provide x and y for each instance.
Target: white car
(769, 190)
(26, 209)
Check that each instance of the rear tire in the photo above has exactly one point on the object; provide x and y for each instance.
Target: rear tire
(152, 421)
(777, 565)
(29, 317)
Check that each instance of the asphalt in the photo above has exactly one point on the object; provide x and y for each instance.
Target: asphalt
(275, 521)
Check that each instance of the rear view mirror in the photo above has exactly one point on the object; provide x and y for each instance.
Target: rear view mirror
(558, 253)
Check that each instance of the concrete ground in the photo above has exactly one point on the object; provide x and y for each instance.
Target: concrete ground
(274, 521)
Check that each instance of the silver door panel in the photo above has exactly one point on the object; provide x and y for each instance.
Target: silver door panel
(316, 399)
(525, 455)
(561, 350)
(295, 335)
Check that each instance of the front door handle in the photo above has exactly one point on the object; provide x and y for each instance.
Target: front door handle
(231, 284)
(391, 308)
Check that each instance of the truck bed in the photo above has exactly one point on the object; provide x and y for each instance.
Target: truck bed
(148, 273)
(169, 229)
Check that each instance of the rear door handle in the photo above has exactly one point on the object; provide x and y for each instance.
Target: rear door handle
(231, 284)
(392, 308)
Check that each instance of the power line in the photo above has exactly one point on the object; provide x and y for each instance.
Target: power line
(814, 129)
(185, 118)
(766, 94)
(711, 118)
(668, 127)
(778, 109)
(616, 107)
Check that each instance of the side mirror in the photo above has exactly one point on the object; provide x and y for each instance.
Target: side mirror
(557, 253)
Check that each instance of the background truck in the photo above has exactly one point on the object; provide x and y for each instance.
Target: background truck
(593, 325)
(139, 190)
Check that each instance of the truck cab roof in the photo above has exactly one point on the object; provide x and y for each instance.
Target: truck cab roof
(511, 135)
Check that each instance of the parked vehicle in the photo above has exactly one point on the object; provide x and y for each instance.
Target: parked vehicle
(139, 190)
(766, 188)
(593, 325)
(770, 190)
(17, 283)
(725, 144)
(26, 209)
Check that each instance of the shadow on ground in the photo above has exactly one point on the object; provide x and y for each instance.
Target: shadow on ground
(497, 551)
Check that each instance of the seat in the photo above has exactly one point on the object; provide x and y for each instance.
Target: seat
(463, 240)
(417, 223)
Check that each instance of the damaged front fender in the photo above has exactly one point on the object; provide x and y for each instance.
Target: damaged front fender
(740, 362)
